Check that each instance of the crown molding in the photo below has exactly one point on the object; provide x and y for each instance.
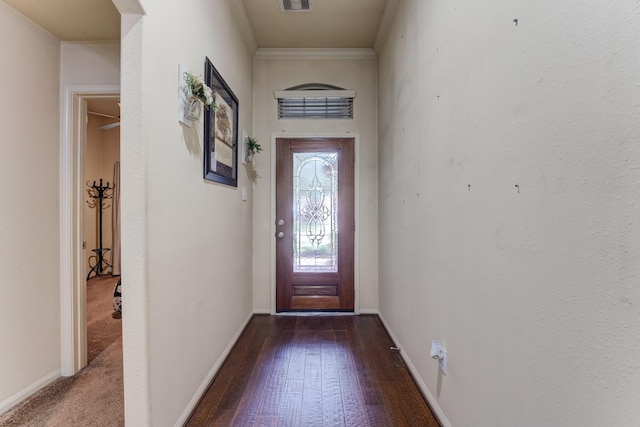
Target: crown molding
(315, 53)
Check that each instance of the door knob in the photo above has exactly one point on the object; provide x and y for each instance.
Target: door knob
(280, 235)
(281, 222)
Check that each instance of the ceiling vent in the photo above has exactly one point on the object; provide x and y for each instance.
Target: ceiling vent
(296, 5)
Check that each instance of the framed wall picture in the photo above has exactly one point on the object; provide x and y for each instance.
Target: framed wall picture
(220, 130)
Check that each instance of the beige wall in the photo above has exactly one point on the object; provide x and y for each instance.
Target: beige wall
(534, 293)
(102, 150)
(280, 74)
(186, 242)
(90, 63)
(29, 226)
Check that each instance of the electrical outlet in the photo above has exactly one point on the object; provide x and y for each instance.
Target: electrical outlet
(440, 354)
(443, 361)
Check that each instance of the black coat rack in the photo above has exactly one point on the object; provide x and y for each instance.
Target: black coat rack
(99, 193)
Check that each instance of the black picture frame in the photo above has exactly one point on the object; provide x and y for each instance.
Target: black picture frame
(220, 130)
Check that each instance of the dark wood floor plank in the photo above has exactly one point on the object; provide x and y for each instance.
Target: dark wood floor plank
(408, 398)
(254, 390)
(218, 391)
(241, 365)
(274, 388)
(393, 399)
(266, 421)
(352, 400)
(291, 406)
(312, 393)
(371, 338)
(313, 371)
(332, 406)
(412, 403)
(222, 418)
(362, 351)
(377, 416)
(297, 359)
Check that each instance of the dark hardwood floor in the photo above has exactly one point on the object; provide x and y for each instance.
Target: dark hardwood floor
(313, 371)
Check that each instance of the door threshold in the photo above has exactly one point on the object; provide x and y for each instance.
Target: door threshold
(315, 313)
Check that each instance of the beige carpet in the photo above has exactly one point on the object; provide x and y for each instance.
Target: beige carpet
(94, 396)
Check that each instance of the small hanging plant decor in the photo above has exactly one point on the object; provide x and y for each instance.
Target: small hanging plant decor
(253, 147)
(201, 94)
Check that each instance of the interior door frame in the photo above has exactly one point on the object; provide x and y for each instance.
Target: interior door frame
(73, 127)
(356, 208)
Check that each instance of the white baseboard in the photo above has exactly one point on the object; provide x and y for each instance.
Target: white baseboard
(212, 373)
(433, 403)
(369, 311)
(262, 311)
(7, 404)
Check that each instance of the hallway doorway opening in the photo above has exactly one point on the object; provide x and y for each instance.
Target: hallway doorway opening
(73, 218)
(101, 224)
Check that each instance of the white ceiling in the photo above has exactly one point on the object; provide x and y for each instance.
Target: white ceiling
(73, 20)
(332, 24)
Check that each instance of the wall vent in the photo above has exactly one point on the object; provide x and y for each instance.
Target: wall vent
(296, 5)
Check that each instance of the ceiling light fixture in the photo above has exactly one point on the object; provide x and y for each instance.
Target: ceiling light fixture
(296, 5)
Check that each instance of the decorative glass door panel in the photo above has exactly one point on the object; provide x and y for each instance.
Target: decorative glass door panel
(314, 224)
(315, 212)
